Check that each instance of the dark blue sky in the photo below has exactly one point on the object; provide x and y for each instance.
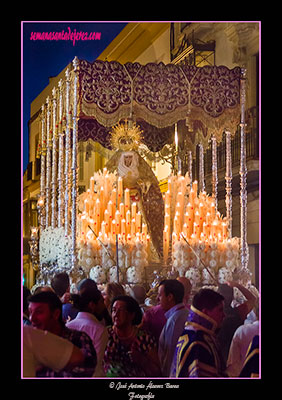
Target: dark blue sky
(43, 59)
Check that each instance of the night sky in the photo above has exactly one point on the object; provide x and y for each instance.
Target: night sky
(43, 59)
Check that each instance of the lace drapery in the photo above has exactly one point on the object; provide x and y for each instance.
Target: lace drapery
(157, 96)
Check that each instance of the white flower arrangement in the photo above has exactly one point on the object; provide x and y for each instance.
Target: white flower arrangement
(55, 247)
(223, 259)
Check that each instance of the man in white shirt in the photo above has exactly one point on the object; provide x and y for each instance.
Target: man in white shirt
(44, 348)
(90, 302)
(239, 346)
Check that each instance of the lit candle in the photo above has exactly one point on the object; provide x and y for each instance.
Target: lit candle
(224, 230)
(197, 217)
(126, 199)
(128, 222)
(103, 228)
(214, 229)
(102, 199)
(123, 228)
(113, 230)
(169, 185)
(97, 215)
(185, 230)
(191, 197)
(107, 221)
(167, 198)
(121, 210)
(133, 227)
(167, 220)
(212, 210)
(110, 209)
(133, 210)
(144, 231)
(114, 198)
(86, 206)
(83, 224)
(178, 209)
(120, 190)
(138, 222)
(165, 244)
(117, 219)
(176, 226)
(206, 230)
(195, 187)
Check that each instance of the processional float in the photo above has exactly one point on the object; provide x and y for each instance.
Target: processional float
(132, 108)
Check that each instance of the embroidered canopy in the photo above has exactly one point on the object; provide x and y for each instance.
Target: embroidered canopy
(203, 100)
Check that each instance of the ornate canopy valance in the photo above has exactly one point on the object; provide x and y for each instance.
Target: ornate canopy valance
(157, 96)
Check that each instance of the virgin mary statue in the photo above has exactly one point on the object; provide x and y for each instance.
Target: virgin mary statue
(139, 178)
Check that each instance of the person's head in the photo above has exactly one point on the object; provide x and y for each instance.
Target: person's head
(170, 293)
(125, 311)
(45, 311)
(86, 283)
(43, 289)
(89, 300)
(61, 283)
(111, 291)
(210, 303)
(187, 288)
(227, 292)
(138, 293)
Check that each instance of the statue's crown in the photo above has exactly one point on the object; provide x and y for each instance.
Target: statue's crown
(125, 136)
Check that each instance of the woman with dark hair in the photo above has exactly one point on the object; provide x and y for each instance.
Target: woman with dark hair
(130, 352)
(90, 304)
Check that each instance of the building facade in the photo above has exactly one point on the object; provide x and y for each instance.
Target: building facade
(229, 44)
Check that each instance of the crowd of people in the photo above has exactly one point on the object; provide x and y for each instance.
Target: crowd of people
(114, 333)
